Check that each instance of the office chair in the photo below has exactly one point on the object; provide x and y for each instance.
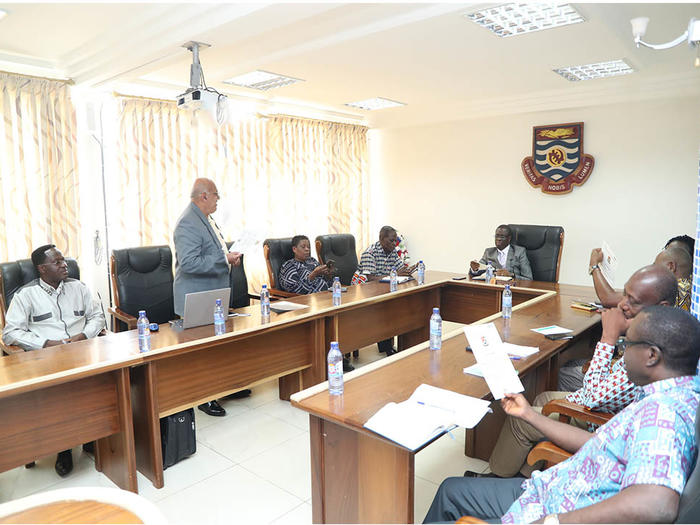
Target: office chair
(339, 247)
(276, 252)
(14, 275)
(142, 279)
(543, 245)
(240, 296)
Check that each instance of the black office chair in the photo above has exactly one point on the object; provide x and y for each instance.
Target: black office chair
(142, 279)
(276, 252)
(544, 245)
(240, 296)
(339, 247)
(14, 275)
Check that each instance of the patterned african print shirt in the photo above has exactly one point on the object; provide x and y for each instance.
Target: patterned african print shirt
(606, 387)
(683, 297)
(294, 277)
(651, 442)
(375, 261)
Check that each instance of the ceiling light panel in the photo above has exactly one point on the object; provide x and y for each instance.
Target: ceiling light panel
(612, 68)
(375, 103)
(262, 80)
(518, 19)
(3, 13)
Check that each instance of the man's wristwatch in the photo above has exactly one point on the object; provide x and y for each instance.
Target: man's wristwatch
(593, 269)
(551, 519)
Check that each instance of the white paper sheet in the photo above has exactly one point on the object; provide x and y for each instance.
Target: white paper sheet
(286, 306)
(551, 330)
(520, 351)
(249, 241)
(493, 360)
(473, 370)
(608, 266)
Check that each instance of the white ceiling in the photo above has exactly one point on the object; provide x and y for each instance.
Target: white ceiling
(443, 66)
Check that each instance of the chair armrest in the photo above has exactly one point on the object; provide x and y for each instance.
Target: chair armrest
(130, 320)
(548, 452)
(567, 410)
(469, 519)
(10, 349)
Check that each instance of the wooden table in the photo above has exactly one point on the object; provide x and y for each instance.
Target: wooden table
(360, 477)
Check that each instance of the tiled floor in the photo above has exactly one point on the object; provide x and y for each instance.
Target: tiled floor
(251, 466)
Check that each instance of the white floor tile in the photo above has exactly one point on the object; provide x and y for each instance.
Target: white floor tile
(286, 412)
(424, 492)
(233, 408)
(287, 465)
(261, 395)
(445, 457)
(233, 496)
(298, 516)
(198, 467)
(246, 435)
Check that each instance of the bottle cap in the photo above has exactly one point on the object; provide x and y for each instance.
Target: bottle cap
(420, 262)
(142, 313)
(334, 344)
(264, 286)
(436, 310)
(218, 302)
(336, 278)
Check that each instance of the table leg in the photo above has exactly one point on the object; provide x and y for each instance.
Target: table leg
(149, 454)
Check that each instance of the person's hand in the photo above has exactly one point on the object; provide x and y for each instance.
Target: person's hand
(79, 337)
(234, 258)
(516, 405)
(615, 324)
(504, 272)
(53, 342)
(321, 269)
(407, 270)
(474, 265)
(596, 256)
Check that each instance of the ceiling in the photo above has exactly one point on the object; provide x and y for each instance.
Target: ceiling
(429, 56)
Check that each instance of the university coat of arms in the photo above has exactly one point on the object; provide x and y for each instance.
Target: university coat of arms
(557, 161)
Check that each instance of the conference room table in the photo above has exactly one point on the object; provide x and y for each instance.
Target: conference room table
(361, 477)
(104, 389)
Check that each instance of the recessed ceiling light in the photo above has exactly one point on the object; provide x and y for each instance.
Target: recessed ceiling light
(262, 80)
(518, 19)
(611, 68)
(375, 103)
(3, 13)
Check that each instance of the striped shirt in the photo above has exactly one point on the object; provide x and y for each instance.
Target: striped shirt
(375, 261)
(294, 277)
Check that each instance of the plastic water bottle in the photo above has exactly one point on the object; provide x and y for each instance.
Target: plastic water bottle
(393, 280)
(490, 274)
(507, 302)
(219, 319)
(265, 301)
(335, 370)
(144, 332)
(337, 291)
(421, 272)
(435, 330)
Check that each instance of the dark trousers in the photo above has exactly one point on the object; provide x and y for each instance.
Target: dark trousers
(485, 498)
(386, 344)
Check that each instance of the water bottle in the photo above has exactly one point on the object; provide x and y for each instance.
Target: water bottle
(421, 272)
(507, 302)
(144, 332)
(265, 301)
(490, 274)
(393, 280)
(435, 330)
(219, 319)
(337, 291)
(335, 370)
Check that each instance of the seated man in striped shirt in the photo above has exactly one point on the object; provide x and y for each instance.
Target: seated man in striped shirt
(606, 386)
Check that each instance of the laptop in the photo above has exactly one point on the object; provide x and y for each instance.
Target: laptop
(199, 307)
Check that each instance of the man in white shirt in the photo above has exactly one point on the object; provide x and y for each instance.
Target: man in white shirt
(50, 311)
(508, 259)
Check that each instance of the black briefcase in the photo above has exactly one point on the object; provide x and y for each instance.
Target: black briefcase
(177, 437)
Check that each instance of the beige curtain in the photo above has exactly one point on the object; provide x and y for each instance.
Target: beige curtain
(277, 177)
(38, 167)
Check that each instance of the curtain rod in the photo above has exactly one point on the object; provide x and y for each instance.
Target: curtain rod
(68, 81)
(121, 95)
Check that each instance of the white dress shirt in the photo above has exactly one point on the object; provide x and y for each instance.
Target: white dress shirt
(503, 256)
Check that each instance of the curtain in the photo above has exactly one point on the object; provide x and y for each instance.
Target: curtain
(695, 297)
(277, 177)
(39, 201)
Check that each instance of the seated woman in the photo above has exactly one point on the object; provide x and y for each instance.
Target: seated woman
(303, 274)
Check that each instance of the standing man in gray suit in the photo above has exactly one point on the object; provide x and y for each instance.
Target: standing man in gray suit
(202, 261)
(508, 259)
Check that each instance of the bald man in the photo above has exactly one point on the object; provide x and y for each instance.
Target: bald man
(678, 260)
(202, 261)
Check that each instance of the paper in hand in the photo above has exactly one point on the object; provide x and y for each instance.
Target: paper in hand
(608, 266)
(493, 360)
(248, 241)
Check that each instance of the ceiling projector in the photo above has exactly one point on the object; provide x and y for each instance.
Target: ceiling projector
(198, 97)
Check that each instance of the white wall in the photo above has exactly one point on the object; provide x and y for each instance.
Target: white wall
(447, 186)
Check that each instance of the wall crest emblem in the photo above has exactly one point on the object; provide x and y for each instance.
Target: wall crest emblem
(558, 161)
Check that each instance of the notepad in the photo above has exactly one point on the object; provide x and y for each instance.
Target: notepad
(400, 279)
(286, 306)
(429, 412)
(482, 277)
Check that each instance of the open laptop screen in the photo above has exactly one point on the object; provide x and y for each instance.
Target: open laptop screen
(199, 306)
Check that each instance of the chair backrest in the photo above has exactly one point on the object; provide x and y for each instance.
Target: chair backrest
(15, 274)
(276, 251)
(341, 248)
(239, 285)
(142, 279)
(543, 245)
(689, 504)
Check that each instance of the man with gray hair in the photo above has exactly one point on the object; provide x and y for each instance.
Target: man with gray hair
(202, 261)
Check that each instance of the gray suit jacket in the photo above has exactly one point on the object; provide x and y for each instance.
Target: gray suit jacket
(517, 262)
(200, 263)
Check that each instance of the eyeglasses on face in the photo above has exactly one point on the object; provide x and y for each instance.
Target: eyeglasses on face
(624, 344)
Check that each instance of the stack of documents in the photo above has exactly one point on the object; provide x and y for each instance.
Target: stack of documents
(429, 412)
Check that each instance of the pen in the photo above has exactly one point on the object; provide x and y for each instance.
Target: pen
(515, 357)
(434, 406)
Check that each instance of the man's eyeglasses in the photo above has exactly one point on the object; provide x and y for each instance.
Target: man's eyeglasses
(624, 344)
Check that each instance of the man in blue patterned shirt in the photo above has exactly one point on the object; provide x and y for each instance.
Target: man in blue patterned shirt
(632, 470)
